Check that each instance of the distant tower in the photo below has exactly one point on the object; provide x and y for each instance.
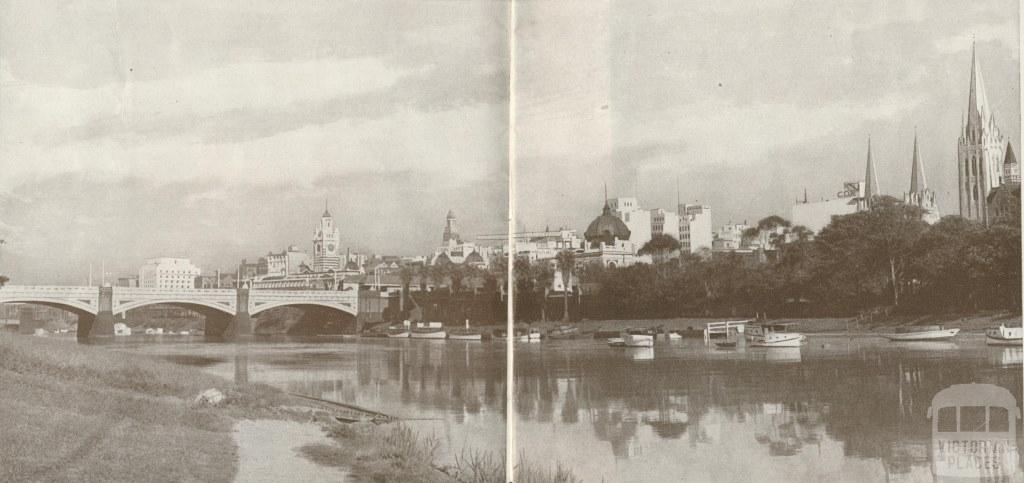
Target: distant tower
(451, 233)
(1011, 169)
(326, 244)
(981, 149)
(870, 182)
(919, 194)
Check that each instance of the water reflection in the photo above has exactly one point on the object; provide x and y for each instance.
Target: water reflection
(837, 406)
(856, 407)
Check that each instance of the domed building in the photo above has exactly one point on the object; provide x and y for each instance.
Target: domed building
(605, 229)
(607, 241)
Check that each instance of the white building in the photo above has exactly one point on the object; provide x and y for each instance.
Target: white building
(815, 215)
(636, 219)
(288, 262)
(535, 245)
(168, 272)
(326, 244)
(729, 237)
(664, 222)
(695, 232)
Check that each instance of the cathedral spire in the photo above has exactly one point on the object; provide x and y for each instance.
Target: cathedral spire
(978, 112)
(918, 184)
(327, 214)
(870, 178)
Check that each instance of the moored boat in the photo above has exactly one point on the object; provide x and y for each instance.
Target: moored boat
(428, 330)
(774, 335)
(465, 333)
(921, 332)
(564, 332)
(400, 332)
(533, 335)
(616, 342)
(638, 337)
(1005, 336)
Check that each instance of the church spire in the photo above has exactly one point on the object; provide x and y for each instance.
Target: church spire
(327, 214)
(978, 112)
(918, 184)
(870, 178)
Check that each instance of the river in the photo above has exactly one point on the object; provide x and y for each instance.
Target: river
(839, 408)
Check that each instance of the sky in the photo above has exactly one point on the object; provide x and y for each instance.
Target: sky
(747, 103)
(217, 130)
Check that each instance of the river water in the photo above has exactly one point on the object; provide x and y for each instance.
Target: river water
(839, 408)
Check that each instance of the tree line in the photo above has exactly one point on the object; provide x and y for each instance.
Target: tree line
(882, 259)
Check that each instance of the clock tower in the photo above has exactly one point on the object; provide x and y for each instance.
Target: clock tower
(326, 244)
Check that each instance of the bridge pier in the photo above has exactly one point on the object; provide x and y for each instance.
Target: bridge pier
(103, 324)
(27, 322)
(241, 325)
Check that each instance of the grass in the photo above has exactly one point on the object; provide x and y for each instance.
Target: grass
(398, 454)
(74, 412)
(83, 413)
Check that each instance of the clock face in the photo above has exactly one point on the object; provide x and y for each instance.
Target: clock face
(330, 247)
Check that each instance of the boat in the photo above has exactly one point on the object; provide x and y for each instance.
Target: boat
(564, 332)
(921, 332)
(1004, 336)
(774, 335)
(534, 335)
(398, 332)
(616, 342)
(465, 333)
(428, 330)
(726, 344)
(673, 335)
(639, 337)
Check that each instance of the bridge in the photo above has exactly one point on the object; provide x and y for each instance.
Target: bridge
(228, 312)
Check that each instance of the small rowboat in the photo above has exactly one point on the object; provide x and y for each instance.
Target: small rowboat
(616, 342)
(726, 345)
(924, 332)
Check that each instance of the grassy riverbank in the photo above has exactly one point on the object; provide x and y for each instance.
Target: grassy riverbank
(83, 413)
(86, 413)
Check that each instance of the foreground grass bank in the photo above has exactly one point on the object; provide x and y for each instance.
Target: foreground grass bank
(75, 412)
(84, 413)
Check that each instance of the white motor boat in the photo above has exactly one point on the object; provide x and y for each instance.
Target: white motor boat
(638, 338)
(1005, 336)
(922, 332)
(428, 330)
(774, 335)
(534, 335)
(674, 336)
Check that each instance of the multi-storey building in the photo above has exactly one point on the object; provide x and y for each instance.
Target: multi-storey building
(289, 261)
(695, 232)
(815, 215)
(638, 220)
(166, 272)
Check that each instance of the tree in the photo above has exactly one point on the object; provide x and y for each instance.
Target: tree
(4, 280)
(876, 243)
(405, 274)
(566, 261)
(659, 246)
(542, 277)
